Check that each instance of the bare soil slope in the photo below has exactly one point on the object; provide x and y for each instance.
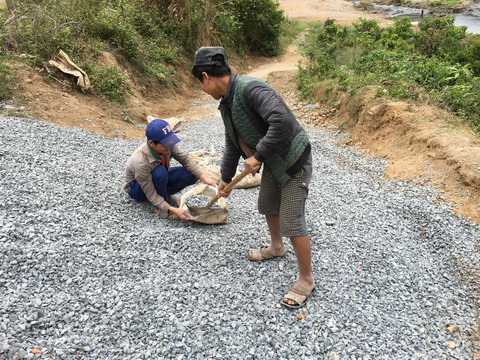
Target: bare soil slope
(421, 143)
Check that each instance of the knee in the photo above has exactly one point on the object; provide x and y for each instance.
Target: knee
(192, 179)
(159, 174)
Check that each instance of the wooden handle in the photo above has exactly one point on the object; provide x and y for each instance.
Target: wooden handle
(228, 187)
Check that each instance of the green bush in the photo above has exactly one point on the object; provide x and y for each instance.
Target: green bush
(261, 22)
(110, 25)
(109, 82)
(7, 76)
(438, 36)
(369, 32)
(400, 36)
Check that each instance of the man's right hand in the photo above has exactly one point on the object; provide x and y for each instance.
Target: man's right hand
(178, 213)
(221, 185)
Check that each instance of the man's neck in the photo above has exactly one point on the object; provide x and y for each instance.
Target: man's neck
(223, 84)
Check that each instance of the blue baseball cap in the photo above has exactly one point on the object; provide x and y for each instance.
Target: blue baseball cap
(161, 131)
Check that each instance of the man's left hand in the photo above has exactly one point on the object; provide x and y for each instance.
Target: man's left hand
(207, 181)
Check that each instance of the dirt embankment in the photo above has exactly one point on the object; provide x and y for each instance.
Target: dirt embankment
(58, 101)
(421, 143)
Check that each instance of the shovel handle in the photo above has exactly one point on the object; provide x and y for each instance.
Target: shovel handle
(228, 187)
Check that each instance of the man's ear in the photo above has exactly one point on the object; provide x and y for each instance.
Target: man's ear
(205, 76)
(150, 142)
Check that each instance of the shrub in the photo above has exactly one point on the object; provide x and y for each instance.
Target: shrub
(368, 30)
(400, 36)
(438, 36)
(7, 75)
(109, 82)
(261, 22)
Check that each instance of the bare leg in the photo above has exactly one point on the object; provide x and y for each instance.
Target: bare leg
(301, 245)
(273, 222)
(276, 247)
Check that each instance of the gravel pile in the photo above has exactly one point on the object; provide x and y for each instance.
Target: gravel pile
(86, 273)
(201, 201)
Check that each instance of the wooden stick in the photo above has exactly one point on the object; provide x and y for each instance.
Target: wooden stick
(228, 187)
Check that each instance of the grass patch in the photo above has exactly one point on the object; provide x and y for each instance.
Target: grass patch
(7, 75)
(290, 31)
(15, 113)
(444, 3)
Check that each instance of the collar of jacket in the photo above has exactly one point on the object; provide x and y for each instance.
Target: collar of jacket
(227, 99)
(148, 153)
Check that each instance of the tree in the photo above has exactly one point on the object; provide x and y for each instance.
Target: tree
(10, 5)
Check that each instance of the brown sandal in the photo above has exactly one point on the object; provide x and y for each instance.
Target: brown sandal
(262, 254)
(298, 290)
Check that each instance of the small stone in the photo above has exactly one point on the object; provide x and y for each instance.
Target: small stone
(301, 316)
(472, 333)
(453, 328)
(334, 356)
(451, 344)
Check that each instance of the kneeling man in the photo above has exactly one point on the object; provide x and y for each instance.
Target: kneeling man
(148, 175)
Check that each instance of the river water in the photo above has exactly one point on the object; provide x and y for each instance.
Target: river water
(470, 18)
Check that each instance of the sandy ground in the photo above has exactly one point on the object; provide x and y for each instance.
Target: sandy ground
(320, 10)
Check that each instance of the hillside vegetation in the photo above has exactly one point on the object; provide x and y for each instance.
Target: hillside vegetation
(155, 36)
(435, 63)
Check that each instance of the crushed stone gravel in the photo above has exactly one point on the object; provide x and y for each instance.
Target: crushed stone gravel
(87, 272)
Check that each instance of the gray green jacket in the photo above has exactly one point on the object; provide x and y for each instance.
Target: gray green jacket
(254, 111)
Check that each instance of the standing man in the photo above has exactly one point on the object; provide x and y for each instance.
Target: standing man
(148, 175)
(261, 128)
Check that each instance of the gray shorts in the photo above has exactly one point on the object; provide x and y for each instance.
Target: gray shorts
(288, 200)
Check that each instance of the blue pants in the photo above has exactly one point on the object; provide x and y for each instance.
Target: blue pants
(166, 182)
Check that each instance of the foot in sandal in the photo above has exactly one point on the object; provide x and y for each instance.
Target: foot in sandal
(298, 295)
(265, 253)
